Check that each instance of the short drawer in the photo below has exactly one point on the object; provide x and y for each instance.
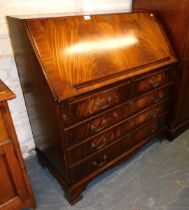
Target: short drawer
(119, 147)
(95, 144)
(145, 84)
(151, 98)
(89, 128)
(103, 100)
(135, 137)
(3, 130)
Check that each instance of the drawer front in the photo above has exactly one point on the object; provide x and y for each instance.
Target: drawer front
(93, 104)
(97, 143)
(151, 98)
(95, 162)
(106, 155)
(144, 85)
(92, 127)
(135, 137)
(3, 130)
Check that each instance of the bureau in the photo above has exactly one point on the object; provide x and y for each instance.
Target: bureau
(97, 88)
(15, 188)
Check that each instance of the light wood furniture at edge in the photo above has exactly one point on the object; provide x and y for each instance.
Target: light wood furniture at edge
(15, 189)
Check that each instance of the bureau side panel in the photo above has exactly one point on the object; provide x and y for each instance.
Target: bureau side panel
(40, 104)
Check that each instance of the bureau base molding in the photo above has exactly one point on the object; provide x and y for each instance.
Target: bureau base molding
(173, 133)
(73, 192)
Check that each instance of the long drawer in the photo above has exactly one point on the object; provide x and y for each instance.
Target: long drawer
(119, 147)
(98, 142)
(80, 132)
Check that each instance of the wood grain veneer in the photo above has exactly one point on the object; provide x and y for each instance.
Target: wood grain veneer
(99, 89)
(103, 42)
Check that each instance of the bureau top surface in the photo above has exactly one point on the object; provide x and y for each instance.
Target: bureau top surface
(82, 53)
(5, 92)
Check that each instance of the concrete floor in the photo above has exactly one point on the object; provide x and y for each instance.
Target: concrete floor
(157, 178)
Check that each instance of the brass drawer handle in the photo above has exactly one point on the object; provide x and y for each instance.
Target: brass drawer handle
(131, 103)
(94, 146)
(160, 95)
(96, 164)
(158, 110)
(154, 113)
(103, 125)
(129, 135)
(93, 128)
(109, 99)
(65, 118)
(156, 99)
(155, 83)
(100, 105)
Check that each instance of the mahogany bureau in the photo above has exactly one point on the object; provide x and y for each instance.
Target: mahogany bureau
(15, 188)
(97, 88)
